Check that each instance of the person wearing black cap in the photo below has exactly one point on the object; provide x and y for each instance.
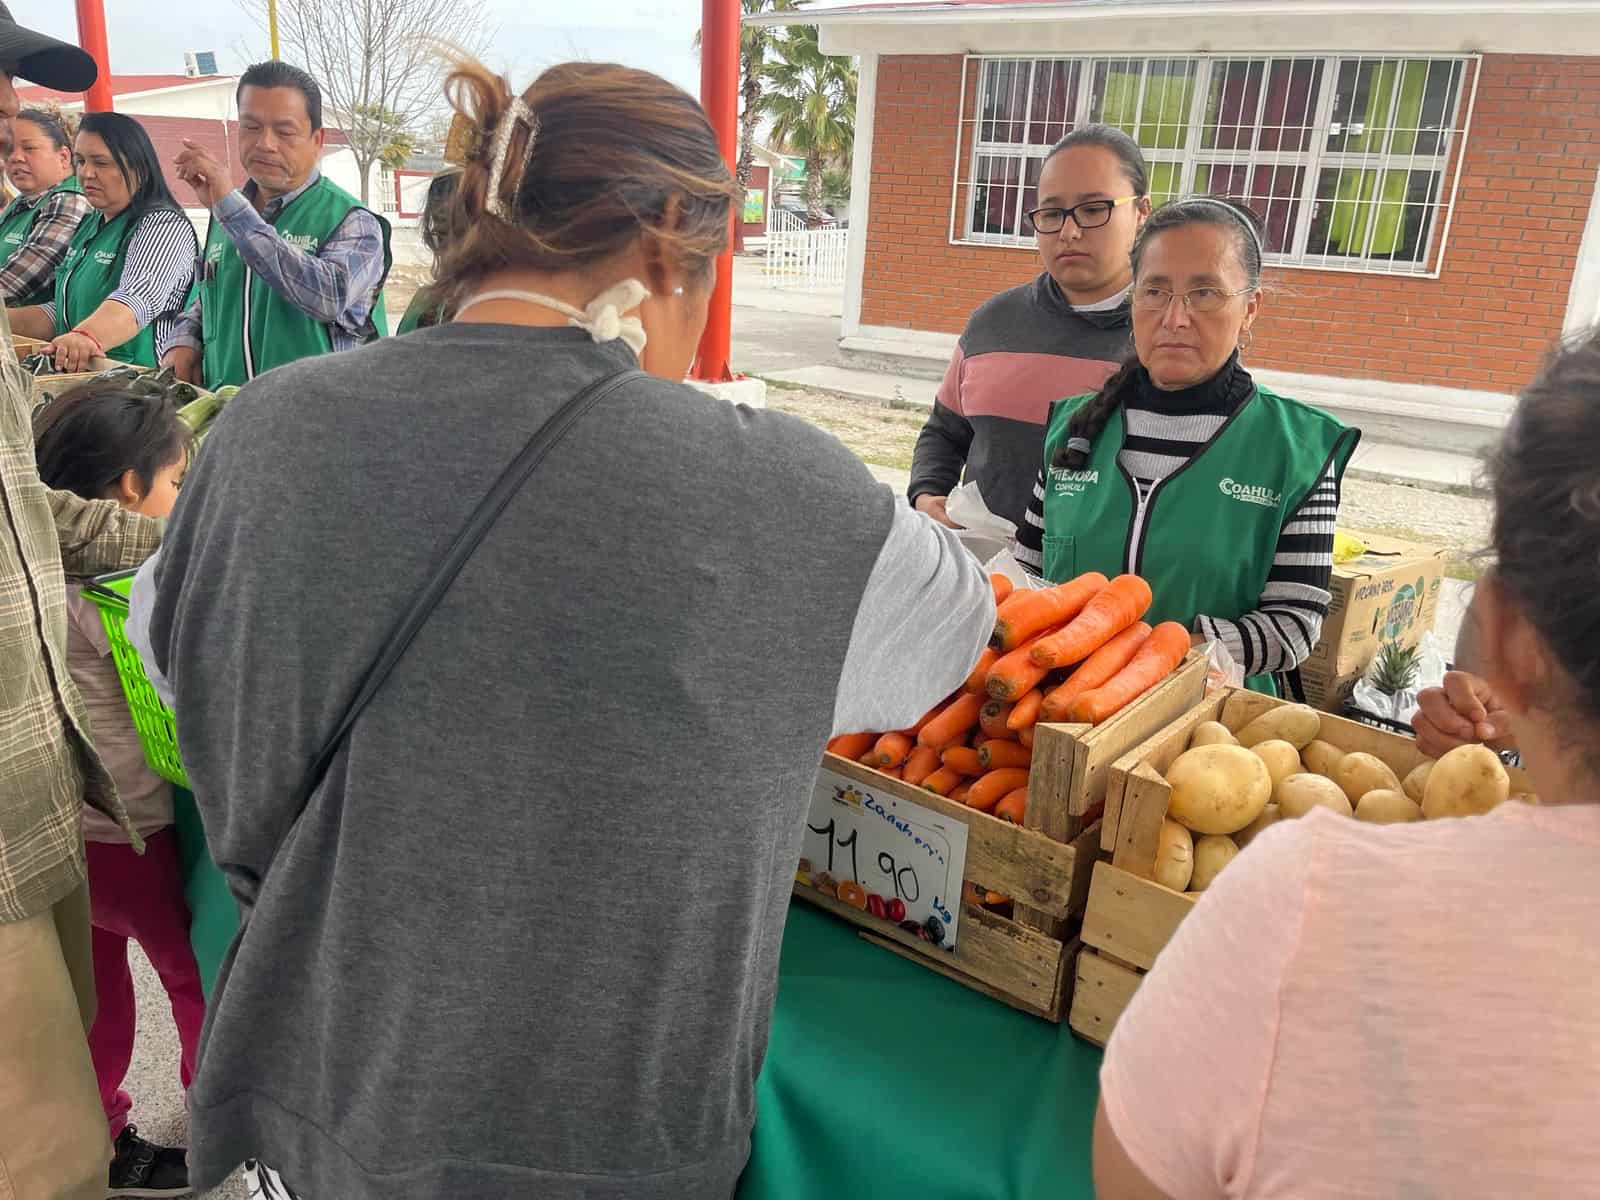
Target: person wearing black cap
(53, 1136)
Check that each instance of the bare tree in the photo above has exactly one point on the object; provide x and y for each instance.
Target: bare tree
(376, 61)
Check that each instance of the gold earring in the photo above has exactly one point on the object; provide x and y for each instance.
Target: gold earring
(1248, 340)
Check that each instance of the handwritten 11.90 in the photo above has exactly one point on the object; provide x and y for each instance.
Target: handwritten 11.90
(904, 879)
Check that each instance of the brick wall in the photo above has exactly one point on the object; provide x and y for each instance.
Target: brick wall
(1531, 162)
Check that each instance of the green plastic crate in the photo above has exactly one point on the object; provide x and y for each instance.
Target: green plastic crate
(157, 731)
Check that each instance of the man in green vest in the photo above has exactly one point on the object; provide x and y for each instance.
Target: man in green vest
(293, 265)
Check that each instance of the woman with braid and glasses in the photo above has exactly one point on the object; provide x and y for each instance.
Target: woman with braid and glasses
(1184, 470)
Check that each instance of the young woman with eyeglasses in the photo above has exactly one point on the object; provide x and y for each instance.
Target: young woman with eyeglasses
(1061, 334)
(1184, 470)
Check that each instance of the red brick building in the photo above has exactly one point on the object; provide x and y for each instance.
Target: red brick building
(1427, 172)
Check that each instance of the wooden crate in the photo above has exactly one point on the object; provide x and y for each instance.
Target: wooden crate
(1026, 968)
(54, 385)
(1130, 918)
(1044, 864)
(25, 346)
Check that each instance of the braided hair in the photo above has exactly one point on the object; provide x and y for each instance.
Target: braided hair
(1246, 228)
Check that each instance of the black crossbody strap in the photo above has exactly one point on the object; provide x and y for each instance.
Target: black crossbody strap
(461, 549)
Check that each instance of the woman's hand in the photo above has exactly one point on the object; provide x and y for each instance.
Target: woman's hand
(75, 351)
(934, 506)
(1462, 712)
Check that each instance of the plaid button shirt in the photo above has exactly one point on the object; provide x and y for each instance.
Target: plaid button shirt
(48, 767)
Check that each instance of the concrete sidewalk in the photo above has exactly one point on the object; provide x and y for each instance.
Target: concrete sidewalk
(1382, 461)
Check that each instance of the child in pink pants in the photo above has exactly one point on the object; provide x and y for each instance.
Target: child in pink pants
(123, 441)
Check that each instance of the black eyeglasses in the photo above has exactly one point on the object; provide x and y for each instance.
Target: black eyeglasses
(1091, 214)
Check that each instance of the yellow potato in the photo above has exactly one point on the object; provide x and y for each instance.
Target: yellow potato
(1465, 782)
(1297, 724)
(1524, 797)
(1270, 815)
(1211, 854)
(1282, 759)
(1211, 733)
(1299, 794)
(1385, 807)
(1417, 781)
(1175, 857)
(1360, 773)
(1321, 758)
(1218, 789)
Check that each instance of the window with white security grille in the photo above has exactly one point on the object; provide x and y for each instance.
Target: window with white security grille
(1352, 162)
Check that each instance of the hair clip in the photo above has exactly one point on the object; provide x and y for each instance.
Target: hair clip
(518, 113)
(1081, 444)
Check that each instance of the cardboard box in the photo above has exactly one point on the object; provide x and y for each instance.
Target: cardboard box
(1389, 594)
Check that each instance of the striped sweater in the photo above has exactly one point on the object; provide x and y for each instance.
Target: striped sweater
(1164, 430)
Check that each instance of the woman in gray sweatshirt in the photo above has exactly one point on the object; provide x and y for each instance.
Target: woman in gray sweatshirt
(522, 938)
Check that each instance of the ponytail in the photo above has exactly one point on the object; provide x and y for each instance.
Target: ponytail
(1085, 424)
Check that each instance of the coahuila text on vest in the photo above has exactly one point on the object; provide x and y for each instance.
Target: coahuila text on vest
(1264, 496)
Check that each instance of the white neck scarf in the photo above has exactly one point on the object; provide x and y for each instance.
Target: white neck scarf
(608, 317)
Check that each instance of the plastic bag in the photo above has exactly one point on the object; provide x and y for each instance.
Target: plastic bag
(983, 533)
(1402, 707)
(1221, 669)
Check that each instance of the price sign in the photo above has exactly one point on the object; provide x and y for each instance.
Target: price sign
(892, 858)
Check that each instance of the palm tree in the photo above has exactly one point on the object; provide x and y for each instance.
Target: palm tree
(754, 43)
(811, 98)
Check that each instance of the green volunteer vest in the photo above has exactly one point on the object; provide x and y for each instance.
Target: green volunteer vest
(16, 227)
(89, 272)
(425, 310)
(1210, 529)
(246, 327)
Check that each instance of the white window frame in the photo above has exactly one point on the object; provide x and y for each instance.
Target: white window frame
(1313, 160)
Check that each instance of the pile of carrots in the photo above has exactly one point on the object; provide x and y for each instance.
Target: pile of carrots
(1077, 652)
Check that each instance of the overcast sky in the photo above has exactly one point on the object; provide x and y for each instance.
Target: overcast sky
(657, 35)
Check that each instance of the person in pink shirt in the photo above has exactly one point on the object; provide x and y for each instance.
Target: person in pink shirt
(122, 440)
(1361, 1010)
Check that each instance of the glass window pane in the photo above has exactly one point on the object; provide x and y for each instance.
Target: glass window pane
(1030, 192)
(995, 195)
(1293, 86)
(1004, 113)
(1149, 100)
(1376, 214)
(1380, 97)
(1231, 104)
(1166, 182)
(1272, 192)
(1055, 95)
(1425, 127)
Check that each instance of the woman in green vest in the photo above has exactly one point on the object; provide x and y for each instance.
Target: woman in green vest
(37, 227)
(1184, 470)
(128, 272)
(439, 228)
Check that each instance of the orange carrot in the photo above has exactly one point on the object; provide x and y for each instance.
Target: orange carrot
(992, 719)
(996, 899)
(1026, 712)
(1014, 675)
(1122, 602)
(1027, 613)
(891, 772)
(852, 745)
(959, 793)
(920, 763)
(952, 723)
(980, 673)
(963, 759)
(1026, 736)
(1159, 657)
(988, 790)
(944, 781)
(1003, 587)
(926, 717)
(1098, 668)
(1013, 807)
(889, 752)
(993, 754)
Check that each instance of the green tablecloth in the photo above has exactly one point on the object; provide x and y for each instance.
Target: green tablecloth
(886, 1080)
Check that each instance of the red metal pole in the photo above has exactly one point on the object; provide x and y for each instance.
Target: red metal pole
(719, 93)
(92, 37)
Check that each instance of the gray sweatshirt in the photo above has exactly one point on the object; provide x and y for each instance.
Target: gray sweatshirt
(524, 939)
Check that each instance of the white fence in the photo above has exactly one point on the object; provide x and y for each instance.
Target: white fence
(801, 258)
